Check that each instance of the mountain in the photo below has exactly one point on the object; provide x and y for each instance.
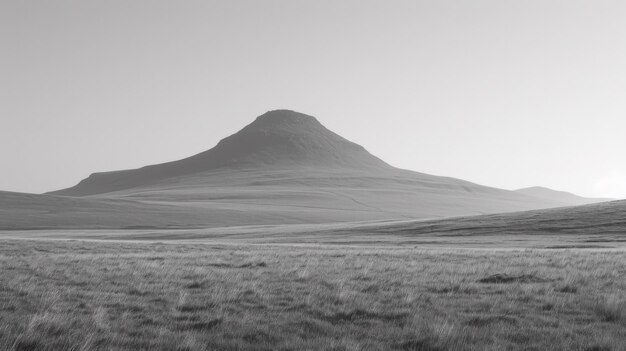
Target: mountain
(278, 139)
(283, 168)
(559, 196)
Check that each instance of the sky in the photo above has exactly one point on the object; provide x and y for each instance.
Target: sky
(505, 93)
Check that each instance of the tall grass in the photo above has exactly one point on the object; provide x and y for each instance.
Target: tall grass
(64, 295)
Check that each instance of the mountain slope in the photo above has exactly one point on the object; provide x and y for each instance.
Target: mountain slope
(34, 211)
(20, 211)
(277, 139)
(561, 196)
(284, 168)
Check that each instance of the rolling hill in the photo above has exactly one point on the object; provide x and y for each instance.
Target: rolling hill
(561, 196)
(283, 168)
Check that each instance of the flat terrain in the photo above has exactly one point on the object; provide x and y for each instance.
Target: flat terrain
(108, 295)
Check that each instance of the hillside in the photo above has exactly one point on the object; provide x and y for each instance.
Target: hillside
(587, 226)
(276, 140)
(561, 196)
(34, 211)
(283, 168)
(607, 218)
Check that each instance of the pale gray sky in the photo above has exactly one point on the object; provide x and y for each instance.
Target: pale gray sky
(505, 93)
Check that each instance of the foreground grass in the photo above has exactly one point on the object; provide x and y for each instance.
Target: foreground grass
(71, 295)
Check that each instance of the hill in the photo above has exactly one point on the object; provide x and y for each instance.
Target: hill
(561, 196)
(283, 168)
(275, 140)
(607, 218)
(601, 225)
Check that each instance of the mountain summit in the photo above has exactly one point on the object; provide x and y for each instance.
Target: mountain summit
(288, 138)
(279, 139)
(285, 120)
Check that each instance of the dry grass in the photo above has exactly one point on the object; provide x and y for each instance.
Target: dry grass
(72, 295)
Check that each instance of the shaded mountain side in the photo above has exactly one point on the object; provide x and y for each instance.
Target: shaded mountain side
(276, 139)
(560, 196)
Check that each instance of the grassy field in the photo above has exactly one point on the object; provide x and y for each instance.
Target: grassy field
(78, 295)
(601, 226)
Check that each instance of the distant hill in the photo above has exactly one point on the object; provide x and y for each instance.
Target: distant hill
(283, 168)
(604, 221)
(560, 196)
(276, 140)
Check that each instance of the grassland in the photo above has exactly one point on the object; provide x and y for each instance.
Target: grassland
(97, 295)
(600, 225)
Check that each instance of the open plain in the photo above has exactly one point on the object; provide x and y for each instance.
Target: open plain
(112, 295)
(546, 279)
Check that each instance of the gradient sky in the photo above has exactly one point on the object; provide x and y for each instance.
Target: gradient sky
(506, 93)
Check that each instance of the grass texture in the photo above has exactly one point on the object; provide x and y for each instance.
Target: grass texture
(76, 295)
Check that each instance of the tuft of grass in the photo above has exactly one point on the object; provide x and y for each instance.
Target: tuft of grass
(504, 278)
(611, 309)
(47, 324)
(567, 288)
(195, 285)
(28, 343)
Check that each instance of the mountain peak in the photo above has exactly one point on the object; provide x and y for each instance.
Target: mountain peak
(289, 138)
(285, 116)
(284, 120)
(278, 139)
